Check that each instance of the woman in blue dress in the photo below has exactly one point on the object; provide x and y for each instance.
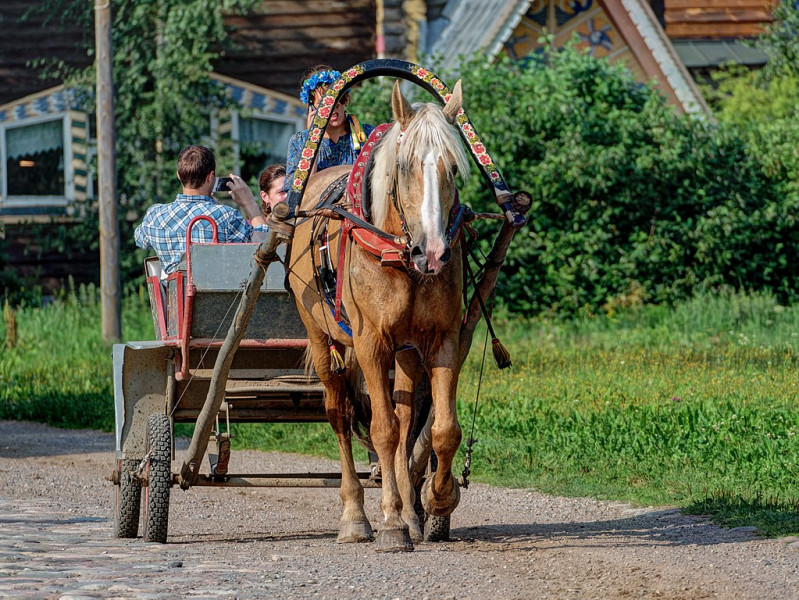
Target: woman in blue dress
(344, 135)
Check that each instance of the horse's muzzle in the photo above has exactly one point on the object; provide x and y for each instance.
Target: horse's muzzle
(431, 261)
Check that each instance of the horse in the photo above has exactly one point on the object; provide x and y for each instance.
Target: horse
(405, 317)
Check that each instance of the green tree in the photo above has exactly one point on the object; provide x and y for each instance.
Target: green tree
(764, 104)
(163, 53)
(632, 202)
(780, 42)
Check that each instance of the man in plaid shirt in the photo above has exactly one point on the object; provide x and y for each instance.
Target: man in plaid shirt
(164, 226)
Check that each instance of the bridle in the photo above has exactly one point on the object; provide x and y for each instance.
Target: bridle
(391, 250)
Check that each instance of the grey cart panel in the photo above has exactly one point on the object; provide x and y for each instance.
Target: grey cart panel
(219, 273)
(140, 384)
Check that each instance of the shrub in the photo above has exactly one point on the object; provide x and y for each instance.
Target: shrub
(630, 198)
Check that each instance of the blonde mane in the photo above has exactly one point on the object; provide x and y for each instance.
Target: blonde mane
(427, 131)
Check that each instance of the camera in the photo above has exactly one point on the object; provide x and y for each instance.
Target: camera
(221, 184)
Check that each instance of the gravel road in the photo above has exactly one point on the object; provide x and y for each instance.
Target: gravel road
(56, 540)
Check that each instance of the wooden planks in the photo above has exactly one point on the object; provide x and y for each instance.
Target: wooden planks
(716, 19)
(276, 44)
(24, 41)
(271, 47)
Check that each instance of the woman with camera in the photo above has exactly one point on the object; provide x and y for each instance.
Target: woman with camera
(344, 135)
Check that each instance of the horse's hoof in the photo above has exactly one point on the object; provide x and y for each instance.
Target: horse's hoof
(355, 532)
(439, 507)
(393, 540)
(415, 531)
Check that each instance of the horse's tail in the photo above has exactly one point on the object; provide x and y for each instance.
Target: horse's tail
(361, 408)
(308, 361)
(356, 394)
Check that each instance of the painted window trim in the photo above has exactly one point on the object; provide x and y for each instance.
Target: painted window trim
(279, 108)
(250, 113)
(35, 201)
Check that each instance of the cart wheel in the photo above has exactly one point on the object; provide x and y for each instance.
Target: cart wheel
(156, 493)
(436, 529)
(127, 504)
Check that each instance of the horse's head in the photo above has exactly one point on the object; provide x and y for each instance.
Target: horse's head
(416, 164)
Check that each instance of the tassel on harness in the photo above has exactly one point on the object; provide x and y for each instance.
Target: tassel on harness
(336, 362)
(501, 354)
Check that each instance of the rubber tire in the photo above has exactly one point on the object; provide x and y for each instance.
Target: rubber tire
(436, 529)
(127, 505)
(156, 493)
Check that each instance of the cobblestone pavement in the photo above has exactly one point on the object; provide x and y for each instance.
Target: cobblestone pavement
(56, 541)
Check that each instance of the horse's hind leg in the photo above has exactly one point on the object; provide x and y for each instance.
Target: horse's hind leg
(406, 374)
(353, 525)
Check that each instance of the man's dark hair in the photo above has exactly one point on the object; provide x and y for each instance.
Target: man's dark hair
(269, 175)
(194, 164)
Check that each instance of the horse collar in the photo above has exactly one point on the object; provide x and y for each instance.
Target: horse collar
(392, 253)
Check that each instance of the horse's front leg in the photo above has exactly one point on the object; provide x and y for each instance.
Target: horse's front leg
(384, 431)
(441, 494)
(353, 525)
(407, 372)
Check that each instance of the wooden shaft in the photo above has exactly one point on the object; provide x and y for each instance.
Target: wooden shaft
(265, 253)
(485, 287)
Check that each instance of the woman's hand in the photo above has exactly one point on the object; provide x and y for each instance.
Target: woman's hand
(311, 115)
(242, 195)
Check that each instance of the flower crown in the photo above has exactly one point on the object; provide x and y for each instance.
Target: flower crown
(314, 81)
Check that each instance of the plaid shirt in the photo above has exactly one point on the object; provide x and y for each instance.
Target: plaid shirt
(164, 227)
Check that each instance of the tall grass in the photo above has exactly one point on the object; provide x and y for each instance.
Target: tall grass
(60, 370)
(692, 406)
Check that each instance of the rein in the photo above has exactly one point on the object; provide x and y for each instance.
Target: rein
(391, 250)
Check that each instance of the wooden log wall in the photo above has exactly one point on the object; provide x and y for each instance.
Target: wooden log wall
(283, 38)
(23, 41)
(272, 46)
(716, 19)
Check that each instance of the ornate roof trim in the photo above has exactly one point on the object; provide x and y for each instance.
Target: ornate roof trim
(477, 24)
(487, 24)
(255, 97)
(52, 101)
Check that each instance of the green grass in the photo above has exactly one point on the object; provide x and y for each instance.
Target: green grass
(60, 371)
(692, 406)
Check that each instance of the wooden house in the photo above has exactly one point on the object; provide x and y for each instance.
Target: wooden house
(709, 33)
(45, 127)
(47, 144)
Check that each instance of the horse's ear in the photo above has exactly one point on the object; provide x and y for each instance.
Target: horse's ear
(455, 102)
(403, 112)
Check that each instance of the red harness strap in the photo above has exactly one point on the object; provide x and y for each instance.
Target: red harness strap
(391, 253)
(365, 238)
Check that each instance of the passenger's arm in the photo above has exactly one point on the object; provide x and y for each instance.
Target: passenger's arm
(141, 238)
(242, 195)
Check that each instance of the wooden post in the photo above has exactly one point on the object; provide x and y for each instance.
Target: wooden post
(106, 175)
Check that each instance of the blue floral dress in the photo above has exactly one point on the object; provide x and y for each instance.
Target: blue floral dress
(330, 154)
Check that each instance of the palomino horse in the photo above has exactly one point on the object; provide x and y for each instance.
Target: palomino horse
(406, 318)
